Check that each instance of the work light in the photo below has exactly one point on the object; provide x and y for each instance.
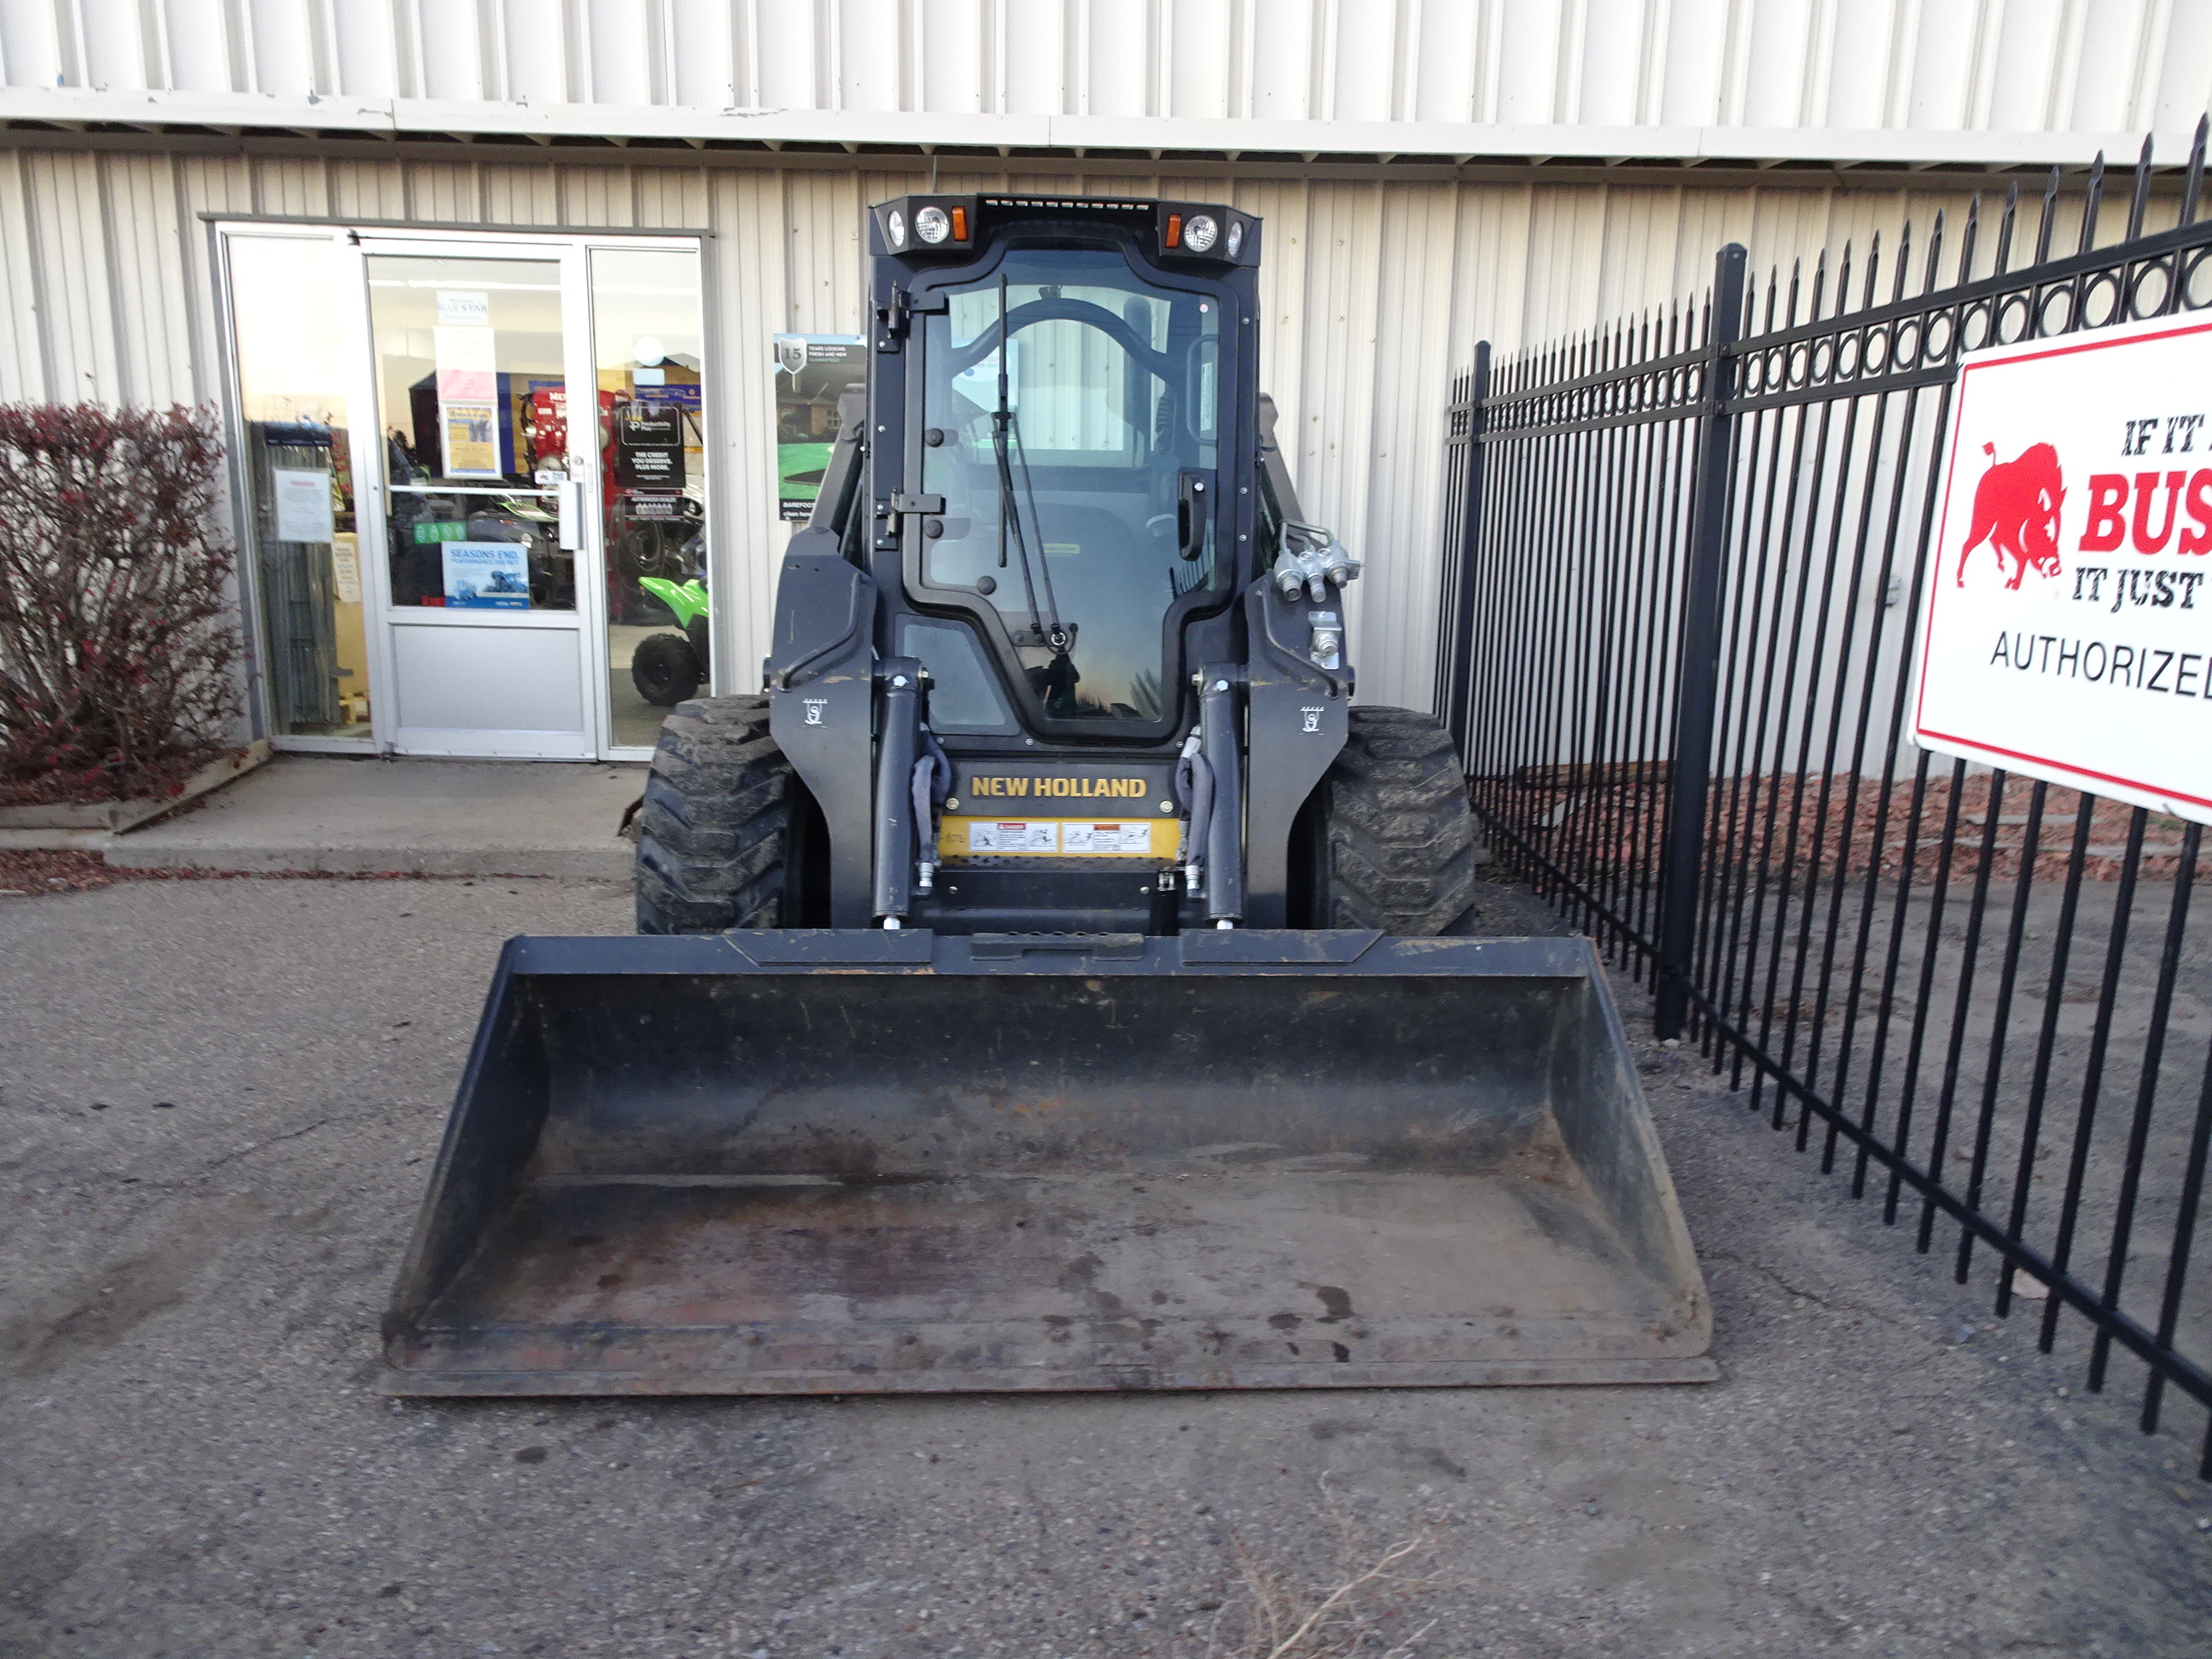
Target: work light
(895, 228)
(1198, 235)
(931, 225)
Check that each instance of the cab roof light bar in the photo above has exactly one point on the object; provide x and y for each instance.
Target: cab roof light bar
(931, 228)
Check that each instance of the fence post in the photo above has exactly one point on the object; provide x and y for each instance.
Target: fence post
(1697, 685)
(1458, 685)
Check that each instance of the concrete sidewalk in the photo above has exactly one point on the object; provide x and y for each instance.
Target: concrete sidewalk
(430, 817)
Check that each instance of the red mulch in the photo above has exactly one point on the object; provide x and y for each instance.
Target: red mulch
(1775, 823)
(23, 872)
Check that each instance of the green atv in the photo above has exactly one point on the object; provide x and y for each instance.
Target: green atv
(666, 668)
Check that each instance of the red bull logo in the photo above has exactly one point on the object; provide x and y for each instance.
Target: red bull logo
(2017, 512)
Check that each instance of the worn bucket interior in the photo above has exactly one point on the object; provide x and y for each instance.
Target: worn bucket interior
(783, 1163)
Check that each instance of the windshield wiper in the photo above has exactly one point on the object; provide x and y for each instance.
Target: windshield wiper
(1005, 438)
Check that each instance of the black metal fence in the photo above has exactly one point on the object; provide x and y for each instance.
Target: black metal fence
(1683, 569)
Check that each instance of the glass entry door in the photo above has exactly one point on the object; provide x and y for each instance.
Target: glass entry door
(489, 560)
(473, 482)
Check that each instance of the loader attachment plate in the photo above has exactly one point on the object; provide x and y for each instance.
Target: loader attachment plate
(797, 1162)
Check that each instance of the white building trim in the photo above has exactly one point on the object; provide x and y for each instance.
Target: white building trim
(1155, 137)
(1934, 82)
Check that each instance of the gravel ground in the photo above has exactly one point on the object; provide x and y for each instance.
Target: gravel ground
(218, 1100)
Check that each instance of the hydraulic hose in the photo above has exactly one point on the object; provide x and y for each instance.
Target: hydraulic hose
(1194, 787)
(932, 783)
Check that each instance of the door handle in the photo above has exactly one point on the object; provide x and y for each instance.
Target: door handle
(570, 501)
(1193, 502)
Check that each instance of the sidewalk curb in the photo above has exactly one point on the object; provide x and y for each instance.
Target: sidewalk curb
(613, 863)
(64, 824)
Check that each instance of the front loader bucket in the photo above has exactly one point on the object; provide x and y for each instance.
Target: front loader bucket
(866, 1161)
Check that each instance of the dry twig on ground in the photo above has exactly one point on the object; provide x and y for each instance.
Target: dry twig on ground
(1284, 1618)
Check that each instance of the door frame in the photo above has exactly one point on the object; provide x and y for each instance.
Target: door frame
(571, 249)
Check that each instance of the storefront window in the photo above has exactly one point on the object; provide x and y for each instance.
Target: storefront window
(650, 348)
(300, 482)
(475, 439)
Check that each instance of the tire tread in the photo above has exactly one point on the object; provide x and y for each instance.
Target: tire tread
(1399, 846)
(713, 831)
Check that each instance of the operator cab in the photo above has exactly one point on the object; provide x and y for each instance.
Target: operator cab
(1063, 419)
(1033, 582)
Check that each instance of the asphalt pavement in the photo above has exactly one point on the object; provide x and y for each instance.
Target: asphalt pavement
(217, 1104)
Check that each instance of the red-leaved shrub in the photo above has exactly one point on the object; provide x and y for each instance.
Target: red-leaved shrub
(118, 635)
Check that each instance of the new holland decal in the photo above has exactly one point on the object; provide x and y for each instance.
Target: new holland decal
(1060, 788)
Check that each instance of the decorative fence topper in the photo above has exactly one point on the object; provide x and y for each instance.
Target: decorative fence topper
(1894, 791)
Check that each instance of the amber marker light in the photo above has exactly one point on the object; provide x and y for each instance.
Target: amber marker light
(1175, 230)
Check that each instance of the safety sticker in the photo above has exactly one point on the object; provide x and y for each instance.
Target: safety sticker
(990, 836)
(1110, 838)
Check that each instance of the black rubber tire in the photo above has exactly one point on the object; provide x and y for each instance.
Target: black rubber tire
(664, 669)
(716, 844)
(1392, 839)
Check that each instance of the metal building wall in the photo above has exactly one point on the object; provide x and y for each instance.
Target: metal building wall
(1903, 80)
(1375, 289)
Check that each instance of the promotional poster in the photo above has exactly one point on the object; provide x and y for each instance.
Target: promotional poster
(811, 372)
(649, 439)
(2068, 629)
(463, 343)
(488, 575)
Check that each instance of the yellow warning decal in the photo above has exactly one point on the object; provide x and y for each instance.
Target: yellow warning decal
(1057, 838)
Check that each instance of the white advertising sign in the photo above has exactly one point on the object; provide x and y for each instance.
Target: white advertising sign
(345, 565)
(2069, 631)
(461, 307)
(302, 500)
(487, 575)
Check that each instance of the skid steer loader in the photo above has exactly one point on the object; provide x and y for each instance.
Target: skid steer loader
(1051, 980)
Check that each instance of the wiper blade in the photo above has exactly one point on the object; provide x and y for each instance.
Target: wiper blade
(1006, 437)
(999, 422)
(1059, 638)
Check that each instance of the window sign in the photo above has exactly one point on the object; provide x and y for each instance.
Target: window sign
(2068, 629)
(487, 575)
(811, 372)
(467, 363)
(345, 565)
(463, 307)
(302, 504)
(649, 439)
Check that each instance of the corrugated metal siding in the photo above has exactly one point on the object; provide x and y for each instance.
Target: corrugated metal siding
(1324, 76)
(1375, 291)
